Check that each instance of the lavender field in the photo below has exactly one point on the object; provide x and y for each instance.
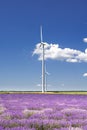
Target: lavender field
(43, 112)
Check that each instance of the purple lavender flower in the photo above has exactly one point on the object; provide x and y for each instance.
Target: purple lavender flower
(42, 112)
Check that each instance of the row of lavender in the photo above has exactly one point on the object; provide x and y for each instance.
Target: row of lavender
(43, 112)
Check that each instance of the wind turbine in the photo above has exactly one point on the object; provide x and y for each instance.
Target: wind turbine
(43, 62)
(46, 74)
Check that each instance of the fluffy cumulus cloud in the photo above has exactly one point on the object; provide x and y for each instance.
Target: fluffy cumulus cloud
(54, 52)
(85, 40)
(85, 75)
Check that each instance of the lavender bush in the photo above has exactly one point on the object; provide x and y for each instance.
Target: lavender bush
(43, 112)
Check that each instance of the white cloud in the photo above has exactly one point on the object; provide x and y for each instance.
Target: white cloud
(38, 85)
(85, 75)
(54, 52)
(72, 60)
(85, 40)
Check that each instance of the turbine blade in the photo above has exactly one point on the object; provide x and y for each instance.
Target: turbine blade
(47, 73)
(41, 37)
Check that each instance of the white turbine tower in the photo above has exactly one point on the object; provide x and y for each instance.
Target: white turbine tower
(43, 62)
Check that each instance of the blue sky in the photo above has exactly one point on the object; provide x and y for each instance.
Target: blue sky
(64, 24)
